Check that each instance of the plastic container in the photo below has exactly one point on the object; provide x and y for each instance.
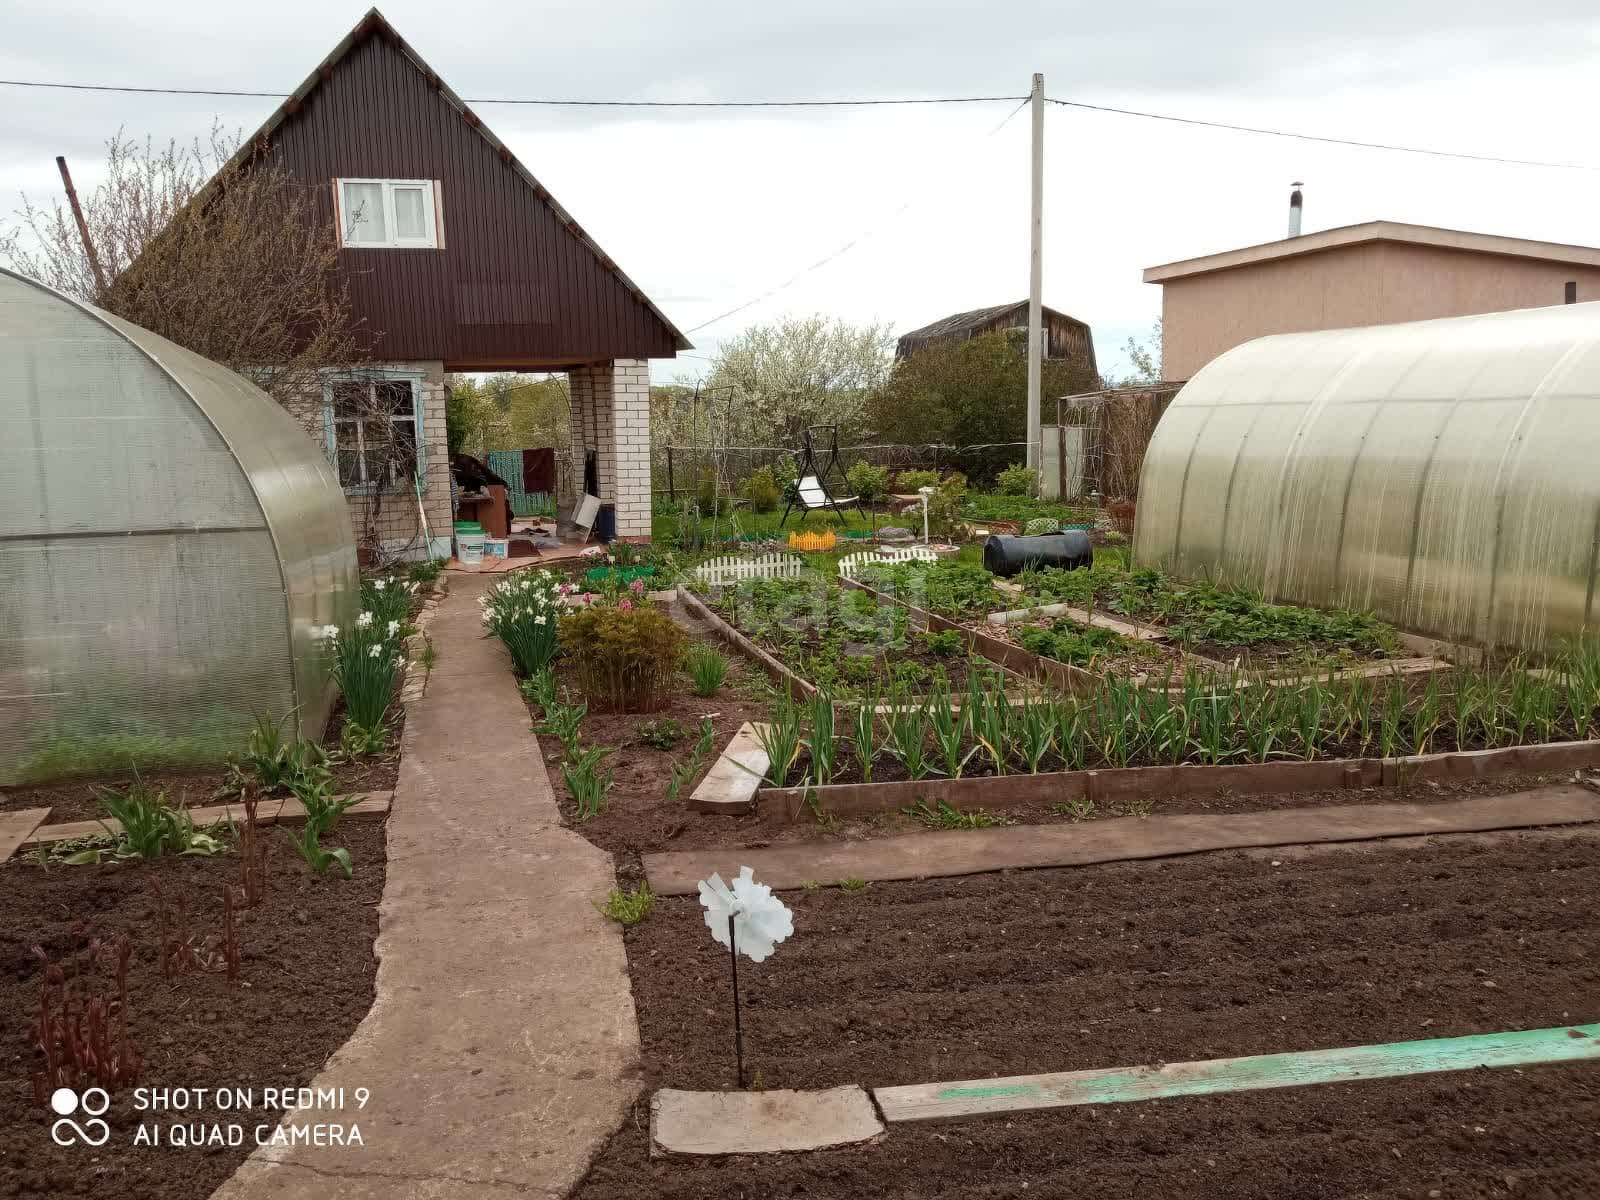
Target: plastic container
(1005, 556)
(494, 547)
(469, 548)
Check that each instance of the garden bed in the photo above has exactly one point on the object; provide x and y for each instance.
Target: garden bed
(846, 639)
(1118, 965)
(74, 799)
(305, 981)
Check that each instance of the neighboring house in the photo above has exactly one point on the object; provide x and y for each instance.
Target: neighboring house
(458, 259)
(1372, 274)
(1064, 337)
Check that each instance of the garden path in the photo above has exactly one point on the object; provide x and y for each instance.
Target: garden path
(1116, 839)
(502, 1049)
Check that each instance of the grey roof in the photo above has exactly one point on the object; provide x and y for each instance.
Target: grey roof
(965, 324)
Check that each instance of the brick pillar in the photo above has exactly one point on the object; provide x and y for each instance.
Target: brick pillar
(611, 415)
(630, 421)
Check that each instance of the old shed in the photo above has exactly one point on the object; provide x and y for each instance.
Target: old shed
(1064, 337)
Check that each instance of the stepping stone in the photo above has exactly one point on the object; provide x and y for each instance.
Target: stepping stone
(730, 786)
(759, 1122)
(16, 826)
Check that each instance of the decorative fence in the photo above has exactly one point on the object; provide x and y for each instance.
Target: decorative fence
(730, 568)
(852, 563)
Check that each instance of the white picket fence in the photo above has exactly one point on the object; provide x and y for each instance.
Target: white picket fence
(730, 568)
(851, 563)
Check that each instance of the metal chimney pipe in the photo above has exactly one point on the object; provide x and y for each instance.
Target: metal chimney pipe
(1296, 202)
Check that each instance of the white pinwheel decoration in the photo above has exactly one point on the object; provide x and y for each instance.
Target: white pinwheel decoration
(760, 919)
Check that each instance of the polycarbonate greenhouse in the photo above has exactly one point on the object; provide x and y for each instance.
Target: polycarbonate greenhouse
(170, 539)
(1442, 474)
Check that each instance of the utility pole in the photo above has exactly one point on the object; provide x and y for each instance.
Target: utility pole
(1036, 280)
(83, 229)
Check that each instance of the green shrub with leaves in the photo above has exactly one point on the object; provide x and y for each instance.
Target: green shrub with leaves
(425, 573)
(909, 482)
(707, 668)
(868, 483)
(625, 657)
(523, 612)
(149, 827)
(1017, 481)
(761, 489)
(946, 643)
(944, 506)
(277, 763)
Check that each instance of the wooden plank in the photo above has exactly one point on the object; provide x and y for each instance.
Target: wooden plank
(1139, 633)
(270, 811)
(977, 1098)
(775, 670)
(730, 785)
(762, 1122)
(16, 826)
(949, 853)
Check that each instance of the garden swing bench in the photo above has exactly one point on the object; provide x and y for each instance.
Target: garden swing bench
(811, 491)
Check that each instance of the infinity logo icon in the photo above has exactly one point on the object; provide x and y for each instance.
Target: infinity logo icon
(65, 1102)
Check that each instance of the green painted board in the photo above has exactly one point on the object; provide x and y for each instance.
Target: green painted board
(989, 1097)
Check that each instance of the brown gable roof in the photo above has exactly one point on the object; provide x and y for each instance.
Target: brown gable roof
(373, 25)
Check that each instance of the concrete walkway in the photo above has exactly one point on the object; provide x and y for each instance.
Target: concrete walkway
(502, 1049)
(1119, 839)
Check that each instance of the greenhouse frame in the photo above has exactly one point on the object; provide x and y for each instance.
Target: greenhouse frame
(172, 544)
(1441, 474)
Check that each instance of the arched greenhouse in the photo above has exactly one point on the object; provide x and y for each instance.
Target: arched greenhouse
(170, 540)
(1442, 474)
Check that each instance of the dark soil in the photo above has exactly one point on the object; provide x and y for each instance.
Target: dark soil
(638, 817)
(74, 799)
(306, 981)
(1122, 964)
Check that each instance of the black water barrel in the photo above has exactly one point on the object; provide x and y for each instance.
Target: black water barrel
(1005, 556)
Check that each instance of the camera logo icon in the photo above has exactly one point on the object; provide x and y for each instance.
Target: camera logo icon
(93, 1103)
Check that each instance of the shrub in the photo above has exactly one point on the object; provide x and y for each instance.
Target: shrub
(625, 657)
(911, 481)
(522, 612)
(761, 489)
(869, 483)
(150, 826)
(706, 667)
(425, 572)
(1017, 481)
(944, 506)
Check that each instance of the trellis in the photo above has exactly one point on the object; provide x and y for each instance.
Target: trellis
(731, 568)
(852, 563)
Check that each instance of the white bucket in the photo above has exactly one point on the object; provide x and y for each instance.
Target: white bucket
(494, 547)
(469, 548)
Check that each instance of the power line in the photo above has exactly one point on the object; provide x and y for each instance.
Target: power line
(848, 246)
(1333, 141)
(540, 101)
(858, 102)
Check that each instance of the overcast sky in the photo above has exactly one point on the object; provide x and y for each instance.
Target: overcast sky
(708, 210)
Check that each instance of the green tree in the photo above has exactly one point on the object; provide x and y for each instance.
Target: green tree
(972, 393)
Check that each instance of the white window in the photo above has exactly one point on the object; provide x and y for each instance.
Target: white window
(387, 212)
(373, 425)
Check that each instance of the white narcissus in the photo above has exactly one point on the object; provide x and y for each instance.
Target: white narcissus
(760, 919)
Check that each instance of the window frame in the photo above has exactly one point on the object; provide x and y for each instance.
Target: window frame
(394, 241)
(372, 376)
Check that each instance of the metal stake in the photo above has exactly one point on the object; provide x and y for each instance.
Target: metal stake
(738, 1028)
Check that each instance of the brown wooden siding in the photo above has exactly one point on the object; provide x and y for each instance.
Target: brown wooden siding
(511, 287)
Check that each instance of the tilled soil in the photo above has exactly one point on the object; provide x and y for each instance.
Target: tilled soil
(74, 799)
(1116, 965)
(306, 980)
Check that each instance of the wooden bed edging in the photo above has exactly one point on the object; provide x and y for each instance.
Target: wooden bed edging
(1014, 658)
(1001, 791)
(775, 670)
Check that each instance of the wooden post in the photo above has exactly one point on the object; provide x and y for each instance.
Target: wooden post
(672, 489)
(83, 228)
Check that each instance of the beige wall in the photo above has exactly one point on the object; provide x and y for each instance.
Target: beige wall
(1372, 283)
